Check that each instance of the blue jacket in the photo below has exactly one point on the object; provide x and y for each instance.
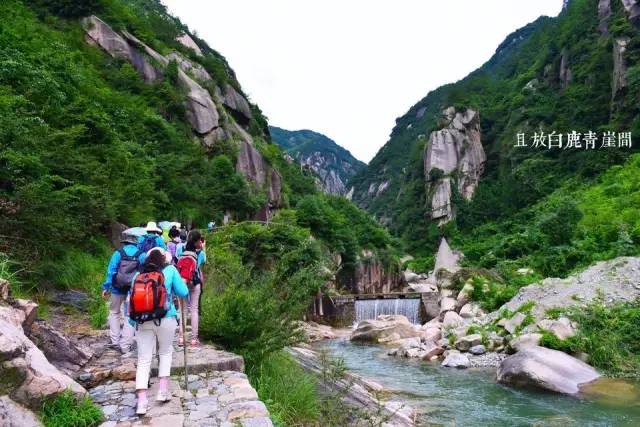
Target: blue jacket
(175, 286)
(129, 249)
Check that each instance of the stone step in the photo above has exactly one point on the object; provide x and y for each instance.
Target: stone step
(204, 359)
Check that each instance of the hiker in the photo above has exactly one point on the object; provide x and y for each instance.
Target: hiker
(190, 262)
(153, 238)
(152, 312)
(174, 242)
(123, 265)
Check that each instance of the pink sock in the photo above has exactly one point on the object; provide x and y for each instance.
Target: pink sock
(163, 384)
(142, 394)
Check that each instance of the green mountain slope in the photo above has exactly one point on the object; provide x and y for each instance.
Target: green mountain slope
(333, 164)
(556, 74)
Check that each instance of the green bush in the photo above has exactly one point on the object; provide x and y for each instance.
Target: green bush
(65, 410)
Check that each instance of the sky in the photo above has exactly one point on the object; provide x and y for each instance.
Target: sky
(348, 68)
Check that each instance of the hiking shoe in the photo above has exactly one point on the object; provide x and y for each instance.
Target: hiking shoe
(129, 355)
(163, 396)
(180, 342)
(142, 407)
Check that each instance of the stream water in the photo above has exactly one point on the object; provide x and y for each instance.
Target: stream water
(472, 397)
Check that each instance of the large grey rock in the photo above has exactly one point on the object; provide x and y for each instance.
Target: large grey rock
(619, 79)
(195, 69)
(234, 100)
(524, 341)
(452, 320)
(478, 350)
(447, 304)
(383, 328)
(540, 367)
(254, 168)
(201, 110)
(13, 414)
(29, 377)
(466, 342)
(561, 328)
(632, 7)
(614, 279)
(101, 34)
(455, 359)
(604, 14)
(455, 150)
(446, 258)
(513, 323)
(58, 349)
(186, 40)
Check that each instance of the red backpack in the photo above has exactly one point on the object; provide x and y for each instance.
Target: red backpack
(188, 268)
(148, 300)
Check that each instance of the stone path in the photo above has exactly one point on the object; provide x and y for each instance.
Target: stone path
(217, 398)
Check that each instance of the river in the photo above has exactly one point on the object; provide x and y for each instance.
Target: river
(472, 397)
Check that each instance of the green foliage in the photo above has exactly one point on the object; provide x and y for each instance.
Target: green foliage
(261, 279)
(65, 410)
(69, 8)
(288, 391)
(610, 336)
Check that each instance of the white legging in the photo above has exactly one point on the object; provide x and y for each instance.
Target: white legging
(122, 337)
(146, 337)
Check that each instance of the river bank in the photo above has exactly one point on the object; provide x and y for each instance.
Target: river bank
(473, 397)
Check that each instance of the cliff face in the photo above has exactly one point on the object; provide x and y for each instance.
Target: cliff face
(453, 155)
(332, 165)
(217, 113)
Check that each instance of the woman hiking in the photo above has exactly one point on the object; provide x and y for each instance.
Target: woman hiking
(153, 314)
(191, 257)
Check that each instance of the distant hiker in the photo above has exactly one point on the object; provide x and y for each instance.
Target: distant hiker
(174, 241)
(152, 312)
(190, 262)
(153, 238)
(123, 266)
(183, 233)
(211, 225)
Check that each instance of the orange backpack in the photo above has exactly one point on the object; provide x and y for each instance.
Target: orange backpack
(148, 300)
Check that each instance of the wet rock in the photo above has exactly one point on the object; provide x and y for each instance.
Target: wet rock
(543, 368)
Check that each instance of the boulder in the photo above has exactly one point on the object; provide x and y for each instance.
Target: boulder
(58, 349)
(547, 369)
(408, 343)
(315, 332)
(384, 327)
(455, 359)
(561, 328)
(447, 304)
(471, 310)
(30, 310)
(410, 276)
(432, 334)
(465, 343)
(478, 350)
(524, 341)
(4, 290)
(14, 415)
(195, 69)
(452, 320)
(234, 100)
(430, 350)
(29, 377)
(510, 325)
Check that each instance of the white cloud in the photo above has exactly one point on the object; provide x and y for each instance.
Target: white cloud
(349, 68)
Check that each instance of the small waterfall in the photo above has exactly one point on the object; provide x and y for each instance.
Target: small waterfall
(372, 308)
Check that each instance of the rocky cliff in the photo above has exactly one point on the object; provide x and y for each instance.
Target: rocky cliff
(217, 112)
(453, 157)
(330, 163)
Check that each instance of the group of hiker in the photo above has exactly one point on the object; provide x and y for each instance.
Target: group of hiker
(143, 278)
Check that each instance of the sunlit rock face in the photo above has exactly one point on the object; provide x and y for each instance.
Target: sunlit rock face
(453, 158)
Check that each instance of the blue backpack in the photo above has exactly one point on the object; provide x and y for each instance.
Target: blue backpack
(147, 244)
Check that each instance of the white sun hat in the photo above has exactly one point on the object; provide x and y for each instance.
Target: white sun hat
(152, 227)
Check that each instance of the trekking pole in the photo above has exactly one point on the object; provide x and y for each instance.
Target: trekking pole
(184, 345)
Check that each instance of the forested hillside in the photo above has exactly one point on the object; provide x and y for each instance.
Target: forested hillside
(331, 163)
(550, 209)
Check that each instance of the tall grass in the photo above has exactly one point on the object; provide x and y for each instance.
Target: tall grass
(288, 391)
(65, 410)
